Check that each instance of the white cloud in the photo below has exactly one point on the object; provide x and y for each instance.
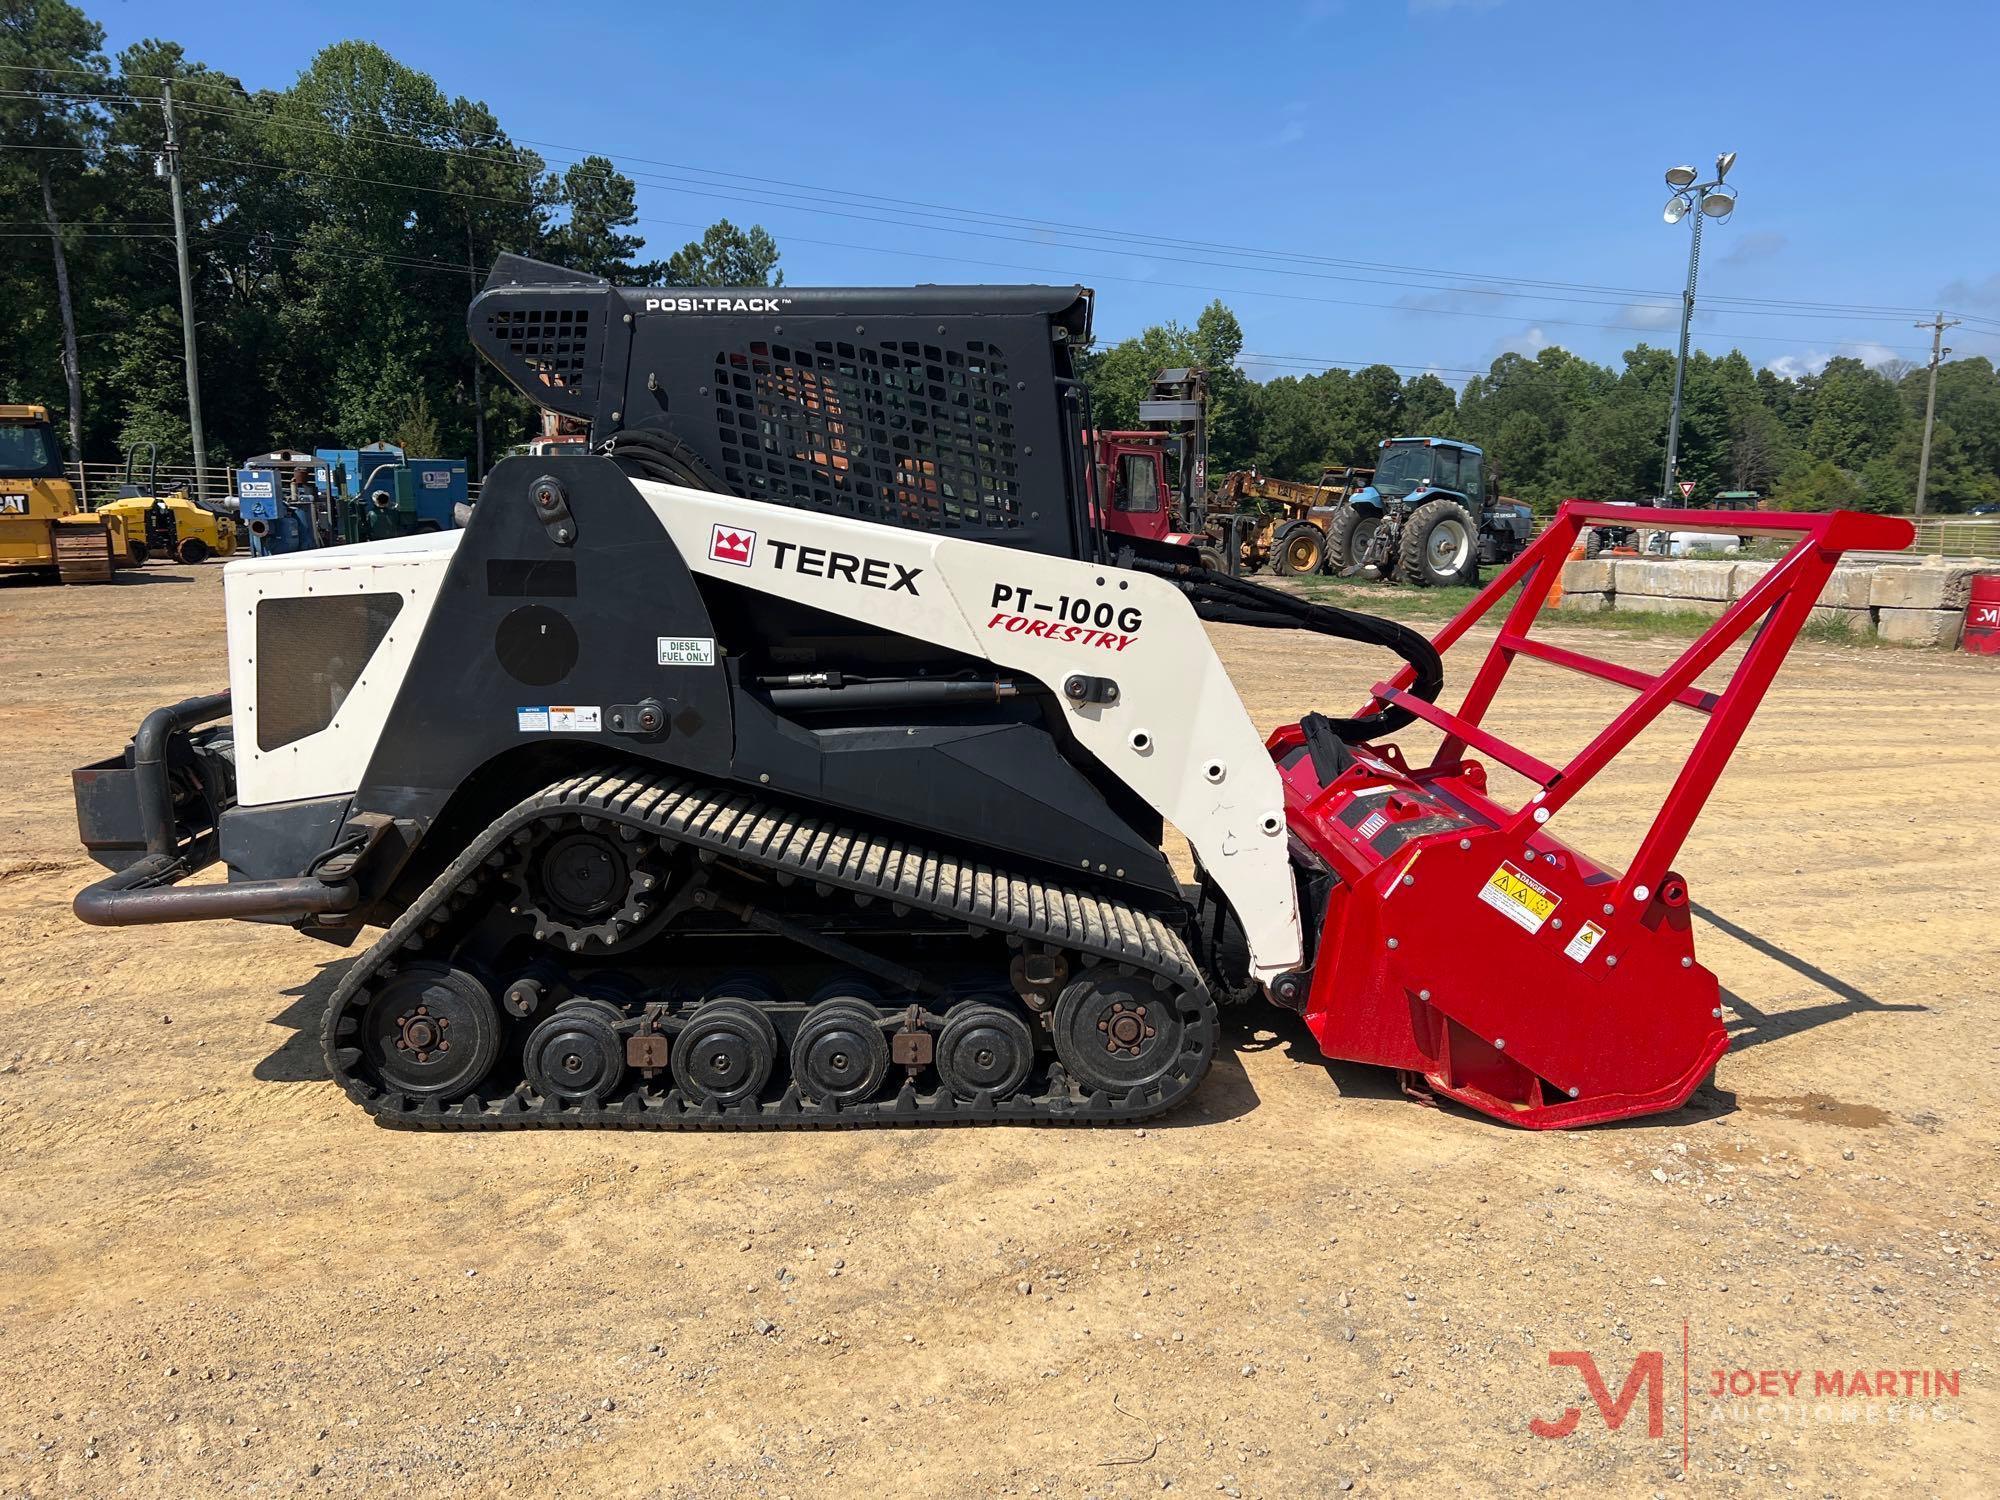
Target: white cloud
(1812, 361)
(1529, 341)
(1649, 315)
(1294, 129)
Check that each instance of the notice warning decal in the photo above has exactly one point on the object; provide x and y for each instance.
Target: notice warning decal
(1519, 897)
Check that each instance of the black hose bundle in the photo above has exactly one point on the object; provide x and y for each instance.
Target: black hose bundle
(1231, 601)
(648, 453)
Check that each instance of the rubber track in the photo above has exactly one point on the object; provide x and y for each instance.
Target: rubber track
(741, 826)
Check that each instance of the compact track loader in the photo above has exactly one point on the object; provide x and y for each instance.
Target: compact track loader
(800, 755)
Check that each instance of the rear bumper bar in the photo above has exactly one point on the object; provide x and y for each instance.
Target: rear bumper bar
(123, 802)
(147, 892)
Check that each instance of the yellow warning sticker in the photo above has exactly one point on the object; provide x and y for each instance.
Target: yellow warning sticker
(1519, 897)
(1586, 940)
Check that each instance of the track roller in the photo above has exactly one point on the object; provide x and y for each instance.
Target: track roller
(576, 1054)
(984, 1050)
(840, 1055)
(725, 1052)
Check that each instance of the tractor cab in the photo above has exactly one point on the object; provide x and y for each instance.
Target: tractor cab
(1409, 469)
(1431, 515)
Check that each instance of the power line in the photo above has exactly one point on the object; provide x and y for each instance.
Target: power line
(276, 169)
(840, 202)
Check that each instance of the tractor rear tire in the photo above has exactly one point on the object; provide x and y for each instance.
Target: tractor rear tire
(1593, 542)
(1300, 550)
(1440, 545)
(1348, 543)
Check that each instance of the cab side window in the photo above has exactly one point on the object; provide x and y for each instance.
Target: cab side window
(1138, 482)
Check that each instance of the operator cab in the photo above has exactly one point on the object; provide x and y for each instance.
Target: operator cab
(28, 447)
(1410, 467)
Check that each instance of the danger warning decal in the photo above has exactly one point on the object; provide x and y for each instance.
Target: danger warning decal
(1519, 897)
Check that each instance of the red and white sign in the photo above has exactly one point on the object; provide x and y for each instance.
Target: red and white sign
(1687, 489)
(732, 544)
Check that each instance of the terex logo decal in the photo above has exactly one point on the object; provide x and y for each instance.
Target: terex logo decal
(844, 567)
(732, 544)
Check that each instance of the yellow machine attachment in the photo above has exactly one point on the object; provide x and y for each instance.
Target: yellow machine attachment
(41, 530)
(169, 526)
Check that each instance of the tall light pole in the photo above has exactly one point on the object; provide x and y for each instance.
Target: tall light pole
(1698, 201)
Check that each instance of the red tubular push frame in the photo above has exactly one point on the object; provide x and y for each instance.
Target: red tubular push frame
(1777, 607)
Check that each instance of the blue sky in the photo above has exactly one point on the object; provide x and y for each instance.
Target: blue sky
(1473, 139)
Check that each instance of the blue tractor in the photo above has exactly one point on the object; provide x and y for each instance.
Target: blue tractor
(1430, 517)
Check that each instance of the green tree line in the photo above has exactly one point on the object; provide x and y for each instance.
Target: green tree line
(337, 230)
(339, 226)
(1557, 425)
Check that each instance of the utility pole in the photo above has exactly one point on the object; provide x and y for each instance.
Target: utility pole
(187, 296)
(1937, 326)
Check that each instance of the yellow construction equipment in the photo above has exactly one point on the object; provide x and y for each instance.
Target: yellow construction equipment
(41, 529)
(168, 526)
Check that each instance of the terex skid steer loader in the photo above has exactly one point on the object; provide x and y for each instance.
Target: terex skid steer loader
(800, 755)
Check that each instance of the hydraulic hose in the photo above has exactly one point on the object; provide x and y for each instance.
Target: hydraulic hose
(648, 453)
(1231, 601)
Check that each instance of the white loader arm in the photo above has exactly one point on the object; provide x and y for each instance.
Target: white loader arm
(1169, 724)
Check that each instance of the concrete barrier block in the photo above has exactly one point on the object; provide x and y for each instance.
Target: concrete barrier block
(1854, 621)
(1920, 627)
(1656, 604)
(1745, 576)
(1927, 587)
(1849, 588)
(1674, 580)
(1587, 577)
(1585, 603)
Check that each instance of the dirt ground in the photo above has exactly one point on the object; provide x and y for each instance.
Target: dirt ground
(219, 1277)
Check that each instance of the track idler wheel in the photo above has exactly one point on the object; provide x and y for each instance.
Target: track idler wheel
(725, 1052)
(431, 1032)
(984, 1050)
(576, 1054)
(840, 1055)
(1117, 1033)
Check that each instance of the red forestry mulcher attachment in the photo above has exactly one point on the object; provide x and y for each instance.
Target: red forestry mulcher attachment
(1466, 945)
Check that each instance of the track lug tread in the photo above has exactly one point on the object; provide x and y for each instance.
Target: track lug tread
(716, 822)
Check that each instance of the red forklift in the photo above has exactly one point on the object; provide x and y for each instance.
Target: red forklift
(1163, 516)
